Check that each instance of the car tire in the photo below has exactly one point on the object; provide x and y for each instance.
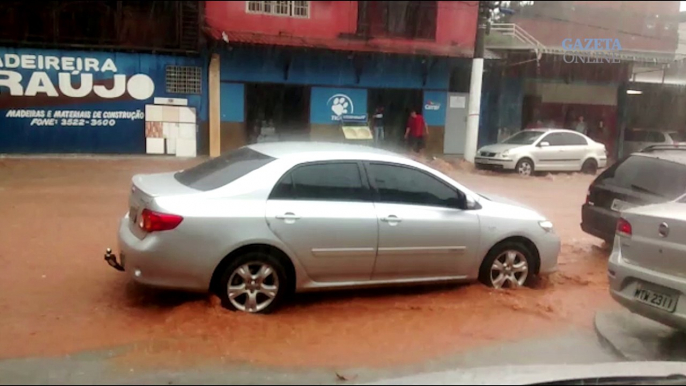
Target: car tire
(525, 167)
(514, 275)
(590, 166)
(254, 275)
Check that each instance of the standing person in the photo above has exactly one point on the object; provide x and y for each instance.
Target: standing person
(377, 123)
(581, 125)
(416, 132)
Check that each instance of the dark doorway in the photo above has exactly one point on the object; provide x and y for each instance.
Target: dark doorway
(282, 107)
(397, 105)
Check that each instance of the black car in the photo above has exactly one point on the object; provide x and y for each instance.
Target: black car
(655, 174)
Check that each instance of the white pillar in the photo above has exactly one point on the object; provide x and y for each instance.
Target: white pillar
(472, 135)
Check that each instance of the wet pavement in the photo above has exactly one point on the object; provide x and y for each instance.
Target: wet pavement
(635, 338)
(58, 297)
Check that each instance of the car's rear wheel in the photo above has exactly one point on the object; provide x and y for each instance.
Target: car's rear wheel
(255, 283)
(525, 167)
(590, 166)
(507, 265)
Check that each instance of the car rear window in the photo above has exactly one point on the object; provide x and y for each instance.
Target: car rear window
(647, 175)
(222, 170)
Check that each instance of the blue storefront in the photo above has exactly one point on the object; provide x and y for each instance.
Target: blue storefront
(60, 101)
(318, 87)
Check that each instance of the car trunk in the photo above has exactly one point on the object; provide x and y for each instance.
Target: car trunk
(658, 240)
(145, 188)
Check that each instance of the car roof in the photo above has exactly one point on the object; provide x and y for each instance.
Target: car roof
(322, 150)
(551, 130)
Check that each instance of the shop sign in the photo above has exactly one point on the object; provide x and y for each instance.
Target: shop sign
(329, 105)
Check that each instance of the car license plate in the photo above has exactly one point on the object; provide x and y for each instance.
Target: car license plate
(656, 299)
(619, 205)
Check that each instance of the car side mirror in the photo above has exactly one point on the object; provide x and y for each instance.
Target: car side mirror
(544, 144)
(470, 203)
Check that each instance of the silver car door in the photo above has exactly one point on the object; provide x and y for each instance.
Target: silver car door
(550, 157)
(575, 150)
(324, 214)
(422, 231)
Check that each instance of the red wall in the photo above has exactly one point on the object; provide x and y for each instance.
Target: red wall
(456, 21)
(327, 19)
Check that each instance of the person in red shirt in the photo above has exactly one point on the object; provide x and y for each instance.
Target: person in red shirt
(416, 132)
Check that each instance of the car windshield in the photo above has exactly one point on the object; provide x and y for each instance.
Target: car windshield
(526, 137)
(649, 175)
(256, 152)
(222, 170)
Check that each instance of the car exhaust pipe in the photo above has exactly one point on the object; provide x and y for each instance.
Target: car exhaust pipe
(111, 259)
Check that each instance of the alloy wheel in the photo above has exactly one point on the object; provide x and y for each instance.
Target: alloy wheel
(253, 287)
(510, 269)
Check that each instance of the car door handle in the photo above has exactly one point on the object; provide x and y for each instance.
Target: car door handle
(391, 219)
(288, 216)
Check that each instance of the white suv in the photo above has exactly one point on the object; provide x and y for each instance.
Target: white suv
(544, 150)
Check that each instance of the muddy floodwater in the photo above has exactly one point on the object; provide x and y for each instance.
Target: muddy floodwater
(57, 295)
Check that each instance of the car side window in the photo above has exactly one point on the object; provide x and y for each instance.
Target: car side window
(656, 136)
(574, 140)
(554, 139)
(331, 181)
(405, 185)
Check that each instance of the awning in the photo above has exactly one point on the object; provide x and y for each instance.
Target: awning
(385, 45)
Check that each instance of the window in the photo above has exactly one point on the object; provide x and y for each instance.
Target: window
(280, 8)
(183, 80)
(526, 137)
(555, 139)
(405, 19)
(655, 136)
(635, 136)
(574, 140)
(403, 185)
(331, 181)
(222, 170)
(647, 175)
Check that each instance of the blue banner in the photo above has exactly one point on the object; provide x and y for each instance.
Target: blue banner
(59, 101)
(328, 105)
(434, 107)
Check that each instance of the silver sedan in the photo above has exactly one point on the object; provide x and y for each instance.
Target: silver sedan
(258, 223)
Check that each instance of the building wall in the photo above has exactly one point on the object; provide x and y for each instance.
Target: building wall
(648, 26)
(59, 101)
(457, 22)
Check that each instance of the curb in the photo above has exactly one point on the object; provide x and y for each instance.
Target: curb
(605, 342)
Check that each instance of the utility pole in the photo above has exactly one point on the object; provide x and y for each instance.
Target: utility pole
(472, 135)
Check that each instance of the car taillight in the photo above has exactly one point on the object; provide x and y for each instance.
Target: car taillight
(588, 196)
(154, 222)
(624, 227)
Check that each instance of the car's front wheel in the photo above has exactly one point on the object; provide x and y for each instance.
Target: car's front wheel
(507, 265)
(255, 283)
(525, 167)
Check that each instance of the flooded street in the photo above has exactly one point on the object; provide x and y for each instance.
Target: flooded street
(58, 296)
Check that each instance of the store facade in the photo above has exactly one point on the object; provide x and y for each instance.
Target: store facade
(301, 94)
